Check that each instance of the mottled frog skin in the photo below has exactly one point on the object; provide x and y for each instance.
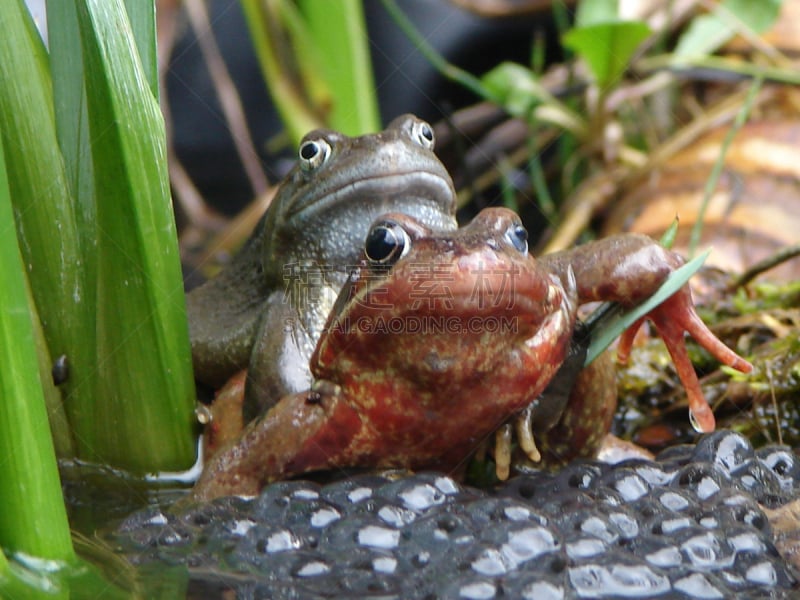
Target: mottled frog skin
(266, 310)
(439, 337)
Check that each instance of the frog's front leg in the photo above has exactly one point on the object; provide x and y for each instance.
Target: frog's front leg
(630, 268)
(570, 418)
(223, 315)
(304, 432)
(223, 418)
(278, 363)
(586, 420)
(278, 367)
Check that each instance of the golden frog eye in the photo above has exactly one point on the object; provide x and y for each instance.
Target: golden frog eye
(422, 133)
(387, 242)
(313, 154)
(517, 236)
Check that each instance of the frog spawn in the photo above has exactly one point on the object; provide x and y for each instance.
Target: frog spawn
(686, 525)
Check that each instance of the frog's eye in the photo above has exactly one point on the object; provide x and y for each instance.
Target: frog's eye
(422, 133)
(517, 236)
(387, 242)
(313, 153)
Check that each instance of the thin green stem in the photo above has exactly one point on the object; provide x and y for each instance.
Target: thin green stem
(543, 197)
(450, 71)
(716, 171)
(732, 67)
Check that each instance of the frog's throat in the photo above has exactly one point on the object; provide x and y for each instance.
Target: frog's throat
(464, 290)
(408, 185)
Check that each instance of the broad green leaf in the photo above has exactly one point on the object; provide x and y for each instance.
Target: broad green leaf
(72, 122)
(593, 12)
(142, 419)
(609, 321)
(515, 88)
(706, 33)
(758, 16)
(607, 47)
(33, 519)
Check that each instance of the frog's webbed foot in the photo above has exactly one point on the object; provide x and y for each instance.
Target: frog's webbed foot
(672, 318)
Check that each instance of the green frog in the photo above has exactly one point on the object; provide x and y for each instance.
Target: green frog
(438, 337)
(266, 310)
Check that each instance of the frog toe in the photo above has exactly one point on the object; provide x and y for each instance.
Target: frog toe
(524, 429)
(502, 451)
(673, 318)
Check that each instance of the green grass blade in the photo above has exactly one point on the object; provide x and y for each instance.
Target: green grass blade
(297, 117)
(339, 32)
(33, 519)
(72, 132)
(142, 17)
(143, 417)
(40, 189)
(69, 95)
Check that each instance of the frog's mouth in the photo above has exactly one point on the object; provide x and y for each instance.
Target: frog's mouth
(452, 331)
(412, 186)
(467, 294)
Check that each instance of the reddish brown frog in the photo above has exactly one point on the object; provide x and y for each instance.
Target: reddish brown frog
(439, 337)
